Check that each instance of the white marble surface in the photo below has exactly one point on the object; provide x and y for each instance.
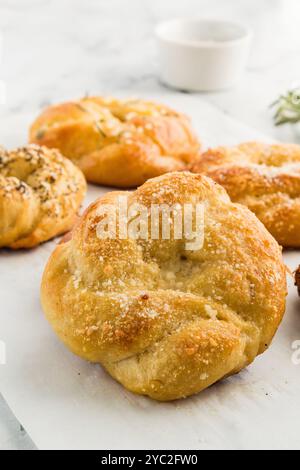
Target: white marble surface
(59, 49)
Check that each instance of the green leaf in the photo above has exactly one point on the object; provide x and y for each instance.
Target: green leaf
(287, 108)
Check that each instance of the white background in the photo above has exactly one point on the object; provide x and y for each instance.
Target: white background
(60, 49)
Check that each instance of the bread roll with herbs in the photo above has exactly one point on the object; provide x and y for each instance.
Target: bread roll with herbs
(119, 143)
(40, 195)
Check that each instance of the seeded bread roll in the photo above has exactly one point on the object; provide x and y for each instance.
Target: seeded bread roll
(40, 194)
(166, 321)
(265, 178)
(119, 143)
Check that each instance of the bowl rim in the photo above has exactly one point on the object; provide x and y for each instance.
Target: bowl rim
(160, 32)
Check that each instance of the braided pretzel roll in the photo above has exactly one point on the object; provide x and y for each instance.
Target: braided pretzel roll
(40, 194)
(266, 178)
(164, 321)
(118, 143)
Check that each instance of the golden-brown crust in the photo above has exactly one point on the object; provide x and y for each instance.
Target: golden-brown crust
(118, 143)
(266, 178)
(40, 194)
(164, 321)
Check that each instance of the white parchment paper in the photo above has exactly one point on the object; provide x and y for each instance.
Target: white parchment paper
(64, 402)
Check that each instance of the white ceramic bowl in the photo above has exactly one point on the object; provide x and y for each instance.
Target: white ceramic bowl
(202, 55)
